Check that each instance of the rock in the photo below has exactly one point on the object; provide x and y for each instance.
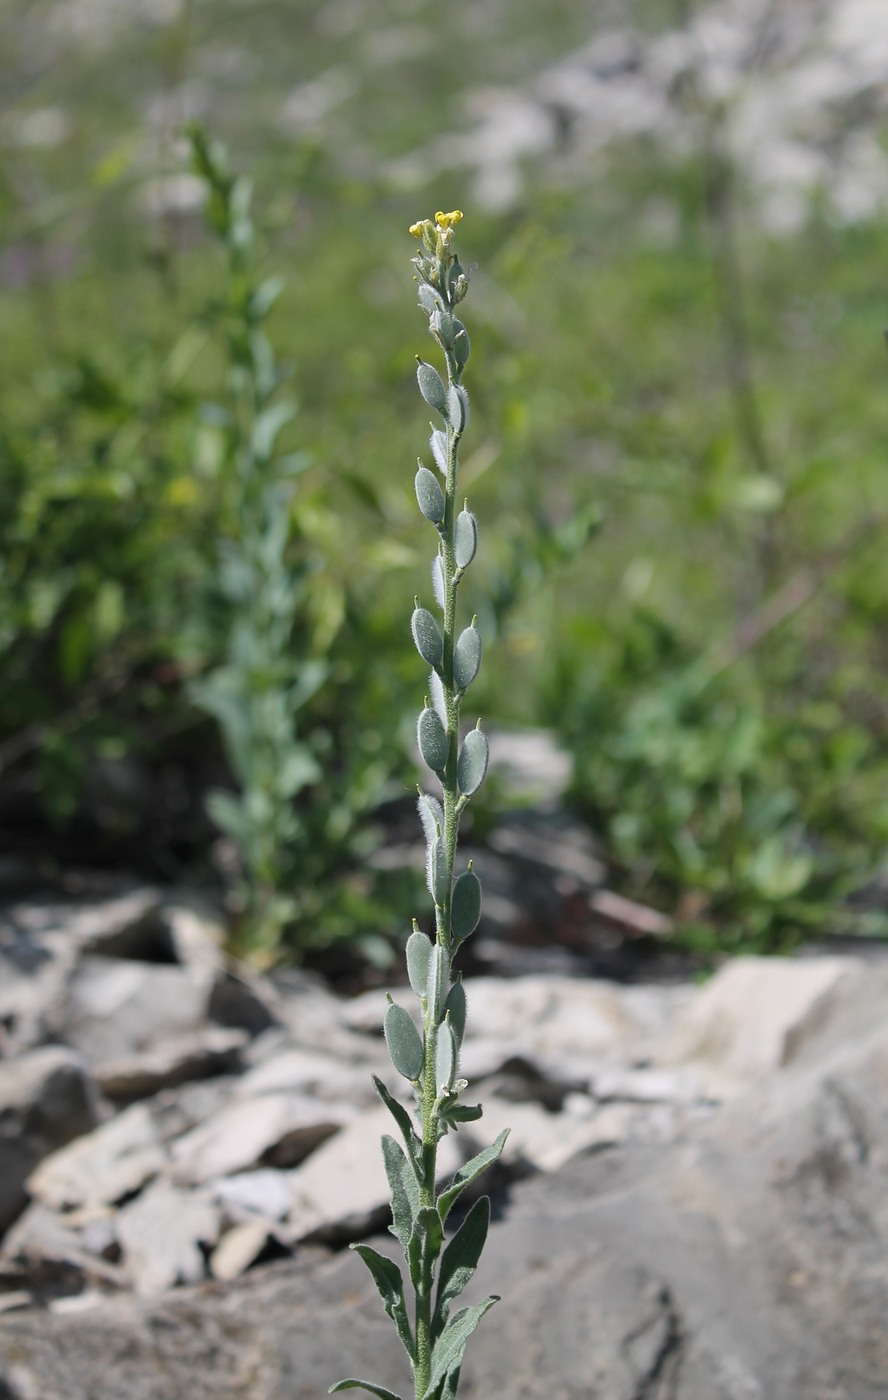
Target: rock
(117, 1009)
(46, 1098)
(109, 1163)
(196, 1055)
(278, 1129)
(545, 1141)
(266, 1192)
(131, 926)
(310, 1072)
(163, 1234)
(244, 1000)
(240, 1248)
(196, 933)
(53, 1255)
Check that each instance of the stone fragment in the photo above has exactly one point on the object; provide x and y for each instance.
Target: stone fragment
(163, 1234)
(296, 1070)
(266, 1192)
(46, 1098)
(197, 935)
(167, 1063)
(546, 1141)
(109, 1163)
(275, 1129)
(42, 1244)
(119, 1008)
(239, 1248)
(130, 926)
(244, 1000)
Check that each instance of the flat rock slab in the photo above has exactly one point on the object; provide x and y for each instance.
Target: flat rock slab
(106, 1165)
(278, 1129)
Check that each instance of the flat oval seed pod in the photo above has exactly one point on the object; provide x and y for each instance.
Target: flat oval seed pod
(432, 739)
(429, 299)
(419, 955)
(471, 766)
(445, 1058)
(465, 905)
(461, 344)
(429, 495)
(436, 693)
(438, 582)
(466, 656)
(431, 386)
(439, 980)
(438, 444)
(431, 814)
(427, 636)
(458, 407)
(465, 537)
(403, 1041)
(455, 1007)
(438, 878)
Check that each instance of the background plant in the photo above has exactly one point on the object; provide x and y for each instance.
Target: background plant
(435, 1338)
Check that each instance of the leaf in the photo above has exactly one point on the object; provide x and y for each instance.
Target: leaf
(403, 1041)
(388, 1280)
(405, 1191)
(267, 426)
(460, 1260)
(404, 1122)
(448, 1350)
(471, 766)
(352, 1384)
(467, 1174)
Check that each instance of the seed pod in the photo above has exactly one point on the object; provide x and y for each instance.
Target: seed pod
(466, 656)
(465, 537)
(428, 299)
(471, 766)
(455, 1007)
(429, 495)
(432, 739)
(437, 876)
(419, 956)
(445, 1058)
(403, 1041)
(431, 386)
(436, 693)
(461, 344)
(458, 407)
(465, 903)
(442, 325)
(427, 636)
(438, 444)
(438, 581)
(438, 981)
(431, 814)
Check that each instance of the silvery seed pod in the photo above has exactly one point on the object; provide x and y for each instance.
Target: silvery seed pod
(438, 981)
(429, 300)
(429, 495)
(419, 956)
(465, 537)
(431, 814)
(455, 1006)
(458, 407)
(438, 444)
(403, 1041)
(461, 344)
(466, 656)
(427, 636)
(471, 766)
(437, 876)
(438, 582)
(465, 904)
(432, 740)
(442, 326)
(445, 1058)
(431, 386)
(436, 695)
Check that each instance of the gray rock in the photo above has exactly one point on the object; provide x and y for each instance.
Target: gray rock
(53, 1254)
(170, 1062)
(104, 1166)
(163, 1234)
(240, 1247)
(278, 1129)
(119, 1008)
(46, 1098)
(266, 1192)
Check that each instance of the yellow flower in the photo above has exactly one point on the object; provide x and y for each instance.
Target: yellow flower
(447, 221)
(417, 229)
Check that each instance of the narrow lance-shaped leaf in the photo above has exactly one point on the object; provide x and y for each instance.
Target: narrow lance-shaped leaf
(377, 1390)
(460, 1260)
(388, 1280)
(467, 1174)
(448, 1349)
(404, 1122)
(404, 1190)
(403, 1041)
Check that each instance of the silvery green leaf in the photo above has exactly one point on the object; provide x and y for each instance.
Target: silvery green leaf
(431, 813)
(429, 299)
(403, 1041)
(448, 1349)
(267, 426)
(438, 444)
(471, 766)
(351, 1384)
(455, 1007)
(427, 636)
(431, 737)
(445, 1058)
(436, 693)
(467, 1174)
(403, 1120)
(457, 407)
(461, 344)
(465, 537)
(460, 1260)
(419, 955)
(465, 904)
(404, 1190)
(438, 582)
(431, 386)
(390, 1284)
(429, 495)
(438, 873)
(466, 656)
(438, 980)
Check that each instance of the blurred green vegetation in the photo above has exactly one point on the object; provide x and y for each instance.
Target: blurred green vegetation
(714, 416)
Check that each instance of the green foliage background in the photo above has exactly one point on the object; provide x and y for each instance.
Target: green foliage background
(718, 664)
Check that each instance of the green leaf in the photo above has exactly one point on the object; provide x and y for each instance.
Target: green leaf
(465, 538)
(404, 1189)
(427, 636)
(455, 1008)
(467, 1174)
(448, 1350)
(465, 905)
(432, 740)
(431, 386)
(460, 1260)
(351, 1384)
(267, 426)
(429, 495)
(419, 955)
(403, 1041)
(471, 766)
(388, 1280)
(467, 657)
(404, 1122)
(462, 1113)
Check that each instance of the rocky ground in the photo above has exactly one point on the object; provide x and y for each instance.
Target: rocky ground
(692, 1202)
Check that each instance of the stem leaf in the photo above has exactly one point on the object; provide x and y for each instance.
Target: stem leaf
(388, 1280)
(448, 1350)
(404, 1122)
(460, 1260)
(404, 1189)
(352, 1384)
(467, 1174)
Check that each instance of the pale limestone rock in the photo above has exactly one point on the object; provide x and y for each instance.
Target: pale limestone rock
(120, 1007)
(161, 1234)
(280, 1129)
(266, 1192)
(167, 1063)
(109, 1163)
(239, 1248)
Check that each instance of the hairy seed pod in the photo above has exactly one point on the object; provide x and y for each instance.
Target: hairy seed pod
(429, 495)
(461, 344)
(471, 766)
(436, 694)
(419, 956)
(403, 1041)
(432, 740)
(437, 876)
(465, 904)
(431, 814)
(442, 327)
(427, 636)
(438, 980)
(431, 386)
(438, 444)
(465, 537)
(438, 582)
(467, 656)
(458, 407)
(445, 1058)
(429, 299)
(455, 1006)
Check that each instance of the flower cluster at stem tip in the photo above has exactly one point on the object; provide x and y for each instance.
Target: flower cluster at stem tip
(440, 269)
